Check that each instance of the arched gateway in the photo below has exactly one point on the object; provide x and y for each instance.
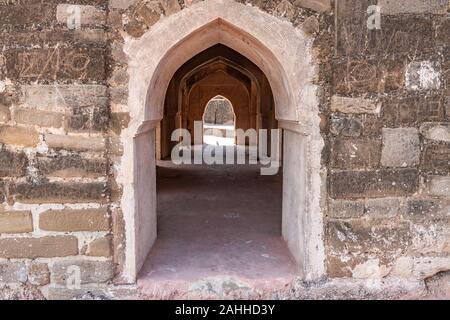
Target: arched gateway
(284, 54)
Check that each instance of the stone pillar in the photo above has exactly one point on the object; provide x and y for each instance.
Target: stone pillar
(145, 191)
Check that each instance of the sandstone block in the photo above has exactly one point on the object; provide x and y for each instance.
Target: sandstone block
(401, 147)
(420, 267)
(90, 271)
(150, 13)
(13, 272)
(50, 97)
(437, 157)
(382, 208)
(121, 4)
(38, 118)
(443, 32)
(354, 105)
(352, 242)
(74, 220)
(119, 95)
(71, 166)
(408, 111)
(60, 192)
(100, 247)
(95, 38)
(355, 153)
(316, 5)
(75, 142)
(346, 209)
(170, 6)
(392, 7)
(16, 222)
(373, 184)
(119, 77)
(310, 26)
(26, 13)
(427, 209)
(38, 274)
(115, 145)
(117, 52)
(119, 121)
(349, 125)
(88, 119)
(12, 164)
(3, 187)
(436, 131)
(19, 136)
(438, 186)
(32, 248)
(358, 76)
(398, 35)
(72, 63)
(5, 114)
(88, 15)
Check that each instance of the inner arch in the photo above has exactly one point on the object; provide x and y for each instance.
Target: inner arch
(219, 122)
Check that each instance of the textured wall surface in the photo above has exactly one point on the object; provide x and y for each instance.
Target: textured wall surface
(385, 109)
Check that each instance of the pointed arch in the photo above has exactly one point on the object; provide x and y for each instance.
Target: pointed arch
(274, 46)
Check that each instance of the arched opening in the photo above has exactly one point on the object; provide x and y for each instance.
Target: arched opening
(222, 217)
(284, 56)
(219, 123)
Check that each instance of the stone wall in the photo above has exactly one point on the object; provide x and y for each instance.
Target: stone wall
(388, 147)
(55, 149)
(385, 110)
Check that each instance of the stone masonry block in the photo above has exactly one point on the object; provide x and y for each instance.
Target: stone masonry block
(20, 136)
(373, 184)
(401, 147)
(90, 271)
(74, 220)
(32, 248)
(392, 7)
(16, 222)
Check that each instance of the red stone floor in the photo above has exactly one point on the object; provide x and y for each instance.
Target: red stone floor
(218, 226)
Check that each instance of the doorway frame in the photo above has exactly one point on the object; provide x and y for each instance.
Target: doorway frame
(285, 55)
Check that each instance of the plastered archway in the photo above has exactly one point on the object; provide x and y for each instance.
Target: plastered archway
(284, 54)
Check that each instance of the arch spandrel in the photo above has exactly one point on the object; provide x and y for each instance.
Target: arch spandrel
(266, 41)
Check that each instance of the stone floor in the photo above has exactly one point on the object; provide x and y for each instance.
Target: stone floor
(219, 229)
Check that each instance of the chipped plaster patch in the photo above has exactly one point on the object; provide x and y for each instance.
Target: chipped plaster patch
(424, 75)
(371, 269)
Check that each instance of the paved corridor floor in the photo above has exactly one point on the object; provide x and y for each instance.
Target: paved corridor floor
(219, 228)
